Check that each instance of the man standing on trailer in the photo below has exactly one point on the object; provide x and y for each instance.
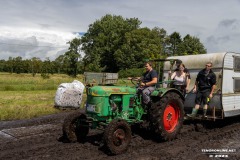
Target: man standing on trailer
(204, 85)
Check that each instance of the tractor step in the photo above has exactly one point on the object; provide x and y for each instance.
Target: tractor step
(200, 117)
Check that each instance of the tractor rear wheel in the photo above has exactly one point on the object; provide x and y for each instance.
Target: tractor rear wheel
(117, 136)
(167, 116)
(75, 127)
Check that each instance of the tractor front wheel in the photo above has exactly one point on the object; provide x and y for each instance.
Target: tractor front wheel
(117, 136)
(75, 127)
(167, 116)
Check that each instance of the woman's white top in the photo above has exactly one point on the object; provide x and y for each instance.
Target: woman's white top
(180, 79)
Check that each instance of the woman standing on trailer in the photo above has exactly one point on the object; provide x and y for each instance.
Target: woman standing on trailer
(181, 79)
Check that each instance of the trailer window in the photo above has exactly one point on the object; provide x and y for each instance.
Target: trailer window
(236, 84)
(236, 63)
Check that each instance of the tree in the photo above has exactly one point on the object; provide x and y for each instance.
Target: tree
(94, 66)
(191, 45)
(17, 65)
(3, 66)
(58, 64)
(36, 65)
(140, 44)
(174, 41)
(104, 38)
(26, 65)
(46, 68)
(72, 56)
(10, 64)
(164, 38)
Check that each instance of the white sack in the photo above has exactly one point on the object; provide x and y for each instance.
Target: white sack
(69, 94)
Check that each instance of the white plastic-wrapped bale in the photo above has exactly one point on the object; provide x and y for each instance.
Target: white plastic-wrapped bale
(69, 95)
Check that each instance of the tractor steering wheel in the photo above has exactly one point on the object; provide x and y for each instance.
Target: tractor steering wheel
(136, 81)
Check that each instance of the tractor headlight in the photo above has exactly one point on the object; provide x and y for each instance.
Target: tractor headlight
(91, 108)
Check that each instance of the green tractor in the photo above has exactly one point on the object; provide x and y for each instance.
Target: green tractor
(115, 108)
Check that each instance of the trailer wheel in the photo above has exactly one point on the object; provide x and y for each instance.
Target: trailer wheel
(75, 128)
(117, 136)
(167, 116)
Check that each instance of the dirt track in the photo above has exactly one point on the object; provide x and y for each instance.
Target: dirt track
(39, 139)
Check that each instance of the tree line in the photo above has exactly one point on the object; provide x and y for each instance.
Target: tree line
(111, 44)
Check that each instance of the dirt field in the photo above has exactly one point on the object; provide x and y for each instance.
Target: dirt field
(39, 139)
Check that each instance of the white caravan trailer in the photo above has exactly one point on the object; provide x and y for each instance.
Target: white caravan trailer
(226, 66)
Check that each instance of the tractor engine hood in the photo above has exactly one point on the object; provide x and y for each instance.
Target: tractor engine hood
(108, 90)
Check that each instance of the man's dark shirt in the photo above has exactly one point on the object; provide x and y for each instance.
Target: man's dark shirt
(148, 76)
(205, 81)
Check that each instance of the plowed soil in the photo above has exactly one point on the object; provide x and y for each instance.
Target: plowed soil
(40, 138)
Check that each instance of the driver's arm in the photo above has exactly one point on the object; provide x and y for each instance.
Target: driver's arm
(152, 82)
(134, 78)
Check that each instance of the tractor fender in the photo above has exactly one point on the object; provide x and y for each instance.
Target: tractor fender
(160, 92)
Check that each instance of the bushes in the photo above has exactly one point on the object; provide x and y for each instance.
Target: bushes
(134, 72)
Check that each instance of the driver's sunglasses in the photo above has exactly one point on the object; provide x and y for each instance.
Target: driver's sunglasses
(208, 66)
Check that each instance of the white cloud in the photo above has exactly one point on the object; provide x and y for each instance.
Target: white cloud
(28, 43)
(225, 37)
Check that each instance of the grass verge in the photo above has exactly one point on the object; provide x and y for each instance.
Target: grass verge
(26, 104)
(23, 96)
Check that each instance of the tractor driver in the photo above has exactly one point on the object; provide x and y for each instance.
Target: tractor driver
(148, 81)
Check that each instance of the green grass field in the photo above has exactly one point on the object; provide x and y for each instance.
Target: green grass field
(23, 96)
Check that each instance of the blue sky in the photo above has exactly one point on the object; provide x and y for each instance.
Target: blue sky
(41, 28)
